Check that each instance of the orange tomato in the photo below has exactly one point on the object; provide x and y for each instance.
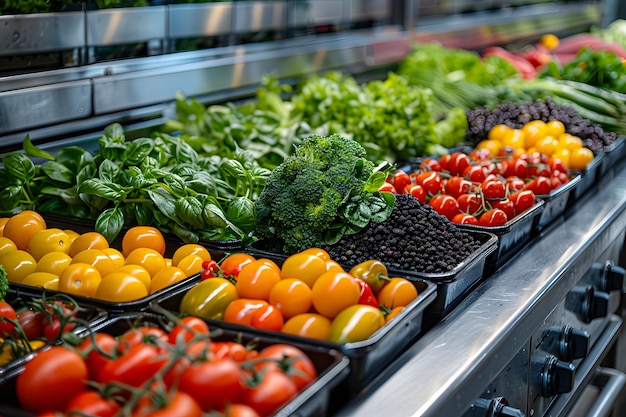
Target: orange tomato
(88, 240)
(191, 264)
(3, 222)
(48, 240)
(143, 237)
(232, 264)
(256, 279)
(96, 258)
(333, 291)
(397, 292)
(319, 252)
(80, 279)
(311, 325)
(116, 256)
(137, 271)
(22, 226)
(291, 296)
(304, 266)
(241, 310)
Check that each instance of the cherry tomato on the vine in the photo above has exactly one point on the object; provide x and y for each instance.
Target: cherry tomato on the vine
(522, 200)
(493, 217)
(446, 205)
(464, 218)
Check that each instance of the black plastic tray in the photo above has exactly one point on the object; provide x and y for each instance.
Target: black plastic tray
(613, 155)
(367, 357)
(512, 236)
(94, 317)
(588, 178)
(314, 400)
(556, 202)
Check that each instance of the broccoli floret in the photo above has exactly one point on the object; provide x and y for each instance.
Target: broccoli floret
(304, 200)
(4, 283)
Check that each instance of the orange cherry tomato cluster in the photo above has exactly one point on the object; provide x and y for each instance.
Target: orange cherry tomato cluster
(85, 264)
(150, 370)
(480, 189)
(308, 295)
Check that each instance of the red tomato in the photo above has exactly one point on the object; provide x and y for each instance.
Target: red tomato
(431, 181)
(443, 162)
(492, 218)
(51, 379)
(400, 180)
(214, 383)
(31, 323)
(516, 168)
(418, 192)
(475, 173)
(455, 186)
(241, 310)
(493, 189)
(291, 360)
(135, 366)
(464, 218)
(430, 164)
(515, 184)
(232, 350)
(7, 312)
(458, 162)
(522, 200)
(98, 350)
(52, 328)
(232, 264)
(506, 205)
(273, 391)
(92, 403)
(140, 335)
(239, 410)
(186, 329)
(539, 185)
(387, 188)
(446, 205)
(176, 403)
(470, 203)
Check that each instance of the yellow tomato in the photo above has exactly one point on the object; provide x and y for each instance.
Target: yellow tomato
(549, 41)
(18, 264)
(143, 237)
(137, 271)
(311, 325)
(547, 145)
(54, 262)
(80, 279)
(121, 287)
(22, 226)
(191, 264)
(116, 256)
(516, 139)
(48, 240)
(190, 249)
(580, 157)
(72, 234)
(149, 258)
(41, 279)
(555, 128)
(304, 266)
(166, 277)
(96, 258)
(88, 240)
(6, 245)
(533, 131)
(493, 146)
(569, 141)
(499, 132)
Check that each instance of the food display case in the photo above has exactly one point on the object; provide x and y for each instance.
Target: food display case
(527, 340)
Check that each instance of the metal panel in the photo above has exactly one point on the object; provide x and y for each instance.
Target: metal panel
(115, 93)
(253, 16)
(38, 106)
(191, 20)
(316, 12)
(358, 10)
(124, 26)
(21, 34)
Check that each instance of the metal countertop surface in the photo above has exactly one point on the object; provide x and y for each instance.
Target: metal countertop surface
(448, 367)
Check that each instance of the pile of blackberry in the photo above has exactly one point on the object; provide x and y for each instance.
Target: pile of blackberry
(414, 238)
(481, 120)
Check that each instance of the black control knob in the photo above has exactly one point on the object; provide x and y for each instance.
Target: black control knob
(613, 278)
(587, 303)
(496, 407)
(557, 377)
(573, 344)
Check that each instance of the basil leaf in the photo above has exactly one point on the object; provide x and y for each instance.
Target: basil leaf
(109, 171)
(34, 151)
(104, 189)
(165, 202)
(241, 212)
(110, 222)
(10, 197)
(137, 151)
(19, 166)
(58, 172)
(190, 210)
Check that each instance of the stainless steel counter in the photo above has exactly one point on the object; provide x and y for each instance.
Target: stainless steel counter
(449, 366)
